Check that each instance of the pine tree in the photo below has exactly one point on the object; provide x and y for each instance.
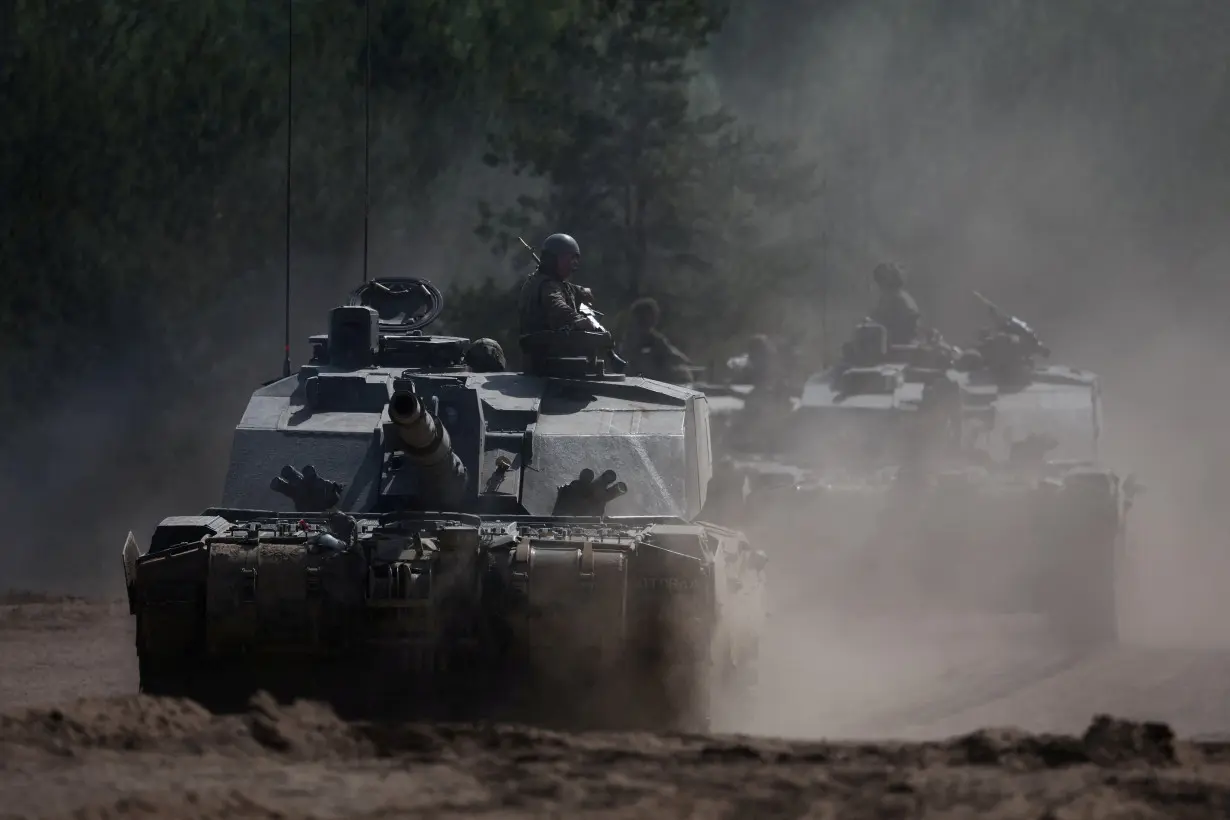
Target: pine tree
(666, 195)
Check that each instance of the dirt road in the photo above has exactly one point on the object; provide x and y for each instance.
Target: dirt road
(76, 741)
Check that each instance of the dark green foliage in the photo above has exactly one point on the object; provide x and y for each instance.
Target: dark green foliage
(666, 192)
(142, 155)
(142, 183)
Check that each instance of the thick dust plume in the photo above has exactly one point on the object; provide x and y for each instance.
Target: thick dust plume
(1165, 396)
(1073, 181)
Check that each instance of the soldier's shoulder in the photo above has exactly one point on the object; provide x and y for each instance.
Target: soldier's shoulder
(537, 279)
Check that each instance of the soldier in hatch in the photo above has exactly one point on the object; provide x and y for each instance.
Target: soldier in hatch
(896, 309)
(767, 408)
(763, 363)
(648, 351)
(548, 300)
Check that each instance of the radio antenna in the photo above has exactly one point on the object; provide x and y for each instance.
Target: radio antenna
(290, 49)
(367, 127)
(826, 279)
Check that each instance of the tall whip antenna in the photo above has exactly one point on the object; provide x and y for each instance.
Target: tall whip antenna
(826, 279)
(290, 41)
(367, 127)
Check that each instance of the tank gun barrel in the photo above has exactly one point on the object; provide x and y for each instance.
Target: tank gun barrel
(425, 443)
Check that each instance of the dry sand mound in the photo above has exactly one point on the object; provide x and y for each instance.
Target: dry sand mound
(143, 757)
(75, 742)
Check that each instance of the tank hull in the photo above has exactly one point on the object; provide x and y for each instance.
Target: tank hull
(575, 623)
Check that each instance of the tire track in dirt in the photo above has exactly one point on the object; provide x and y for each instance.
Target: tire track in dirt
(874, 678)
(1186, 688)
(924, 678)
(974, 692)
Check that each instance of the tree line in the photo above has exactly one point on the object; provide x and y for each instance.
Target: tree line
(144, 157)
(744, 162)
(696, 148)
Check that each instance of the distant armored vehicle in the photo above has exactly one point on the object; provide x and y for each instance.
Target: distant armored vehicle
(967, 477)
(397, 528)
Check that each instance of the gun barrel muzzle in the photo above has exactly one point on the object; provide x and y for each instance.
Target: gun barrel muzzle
(425, 442)
(417, 428)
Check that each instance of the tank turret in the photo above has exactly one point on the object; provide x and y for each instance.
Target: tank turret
(926, 456)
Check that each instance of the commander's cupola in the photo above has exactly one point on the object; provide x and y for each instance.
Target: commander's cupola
(381, 325)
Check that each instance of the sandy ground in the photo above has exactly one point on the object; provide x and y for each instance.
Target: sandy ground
(76, 741)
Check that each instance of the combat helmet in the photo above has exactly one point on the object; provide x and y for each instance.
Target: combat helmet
(555, 245)
(889, 275)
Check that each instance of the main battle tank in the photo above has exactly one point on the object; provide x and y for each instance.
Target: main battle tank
(926, 473)
(398, 530)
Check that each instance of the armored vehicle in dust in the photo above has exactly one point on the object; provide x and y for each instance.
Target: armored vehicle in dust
(927, 473)
(395, 526)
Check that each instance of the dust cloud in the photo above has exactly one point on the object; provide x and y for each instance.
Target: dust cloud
(1093, 212)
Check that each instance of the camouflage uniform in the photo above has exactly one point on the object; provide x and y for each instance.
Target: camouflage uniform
(549, 304)
(548, 301)
(649, 353)
(763, 364)
(767, 408)
(896, 309)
